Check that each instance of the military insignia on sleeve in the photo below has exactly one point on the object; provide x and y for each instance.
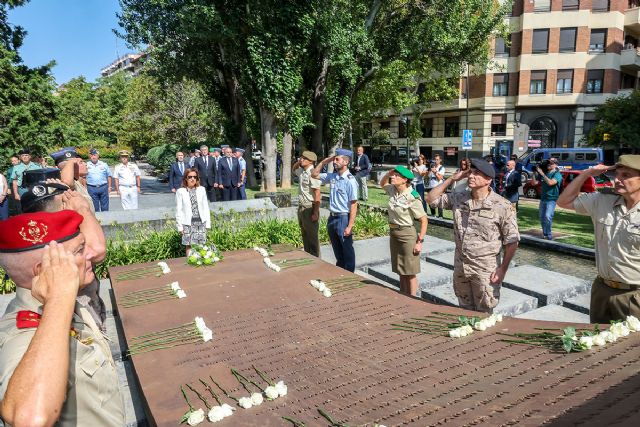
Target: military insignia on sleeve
(35, 233)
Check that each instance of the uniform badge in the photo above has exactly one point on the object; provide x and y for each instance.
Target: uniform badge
(35, 233)
(67, 154)
(38, 191)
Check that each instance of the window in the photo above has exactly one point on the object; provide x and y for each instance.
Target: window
(538, 82)
(588, 123)
(500, 84)
(451, 127)
(402, 129)
(565, 81)
(579, 156)
(595, 79)
(542, 6)
(570, 4)
(540, 41)
(501, 48)
(600, 5)
(568, 39)
(598, 40)
(498, 124)
(591, 157)
(426, 125)
(385, 125)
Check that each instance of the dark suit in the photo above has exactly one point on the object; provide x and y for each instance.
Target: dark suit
(229, 178)
(511, 186)
(362, 175)
(175, 174)
(208, 175)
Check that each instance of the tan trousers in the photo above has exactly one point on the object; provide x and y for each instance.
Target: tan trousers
(612, 304)
(309, 230)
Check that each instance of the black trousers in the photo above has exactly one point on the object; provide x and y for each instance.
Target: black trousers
(229, 193)
(211, 193)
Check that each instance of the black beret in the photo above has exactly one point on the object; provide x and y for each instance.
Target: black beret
(484, 167)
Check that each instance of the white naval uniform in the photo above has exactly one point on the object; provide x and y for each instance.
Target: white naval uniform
(126, 176)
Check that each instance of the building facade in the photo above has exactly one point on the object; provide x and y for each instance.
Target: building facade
(130, 63)
(563, 59)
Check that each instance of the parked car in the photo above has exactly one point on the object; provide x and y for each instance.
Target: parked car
(535, 191)
(575, 159)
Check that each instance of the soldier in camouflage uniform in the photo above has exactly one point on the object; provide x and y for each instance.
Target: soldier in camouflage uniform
(483, 223)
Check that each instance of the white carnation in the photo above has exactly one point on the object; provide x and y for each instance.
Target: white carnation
(216, 414)
(207, 334)
(326, 292)
(463, 332)
(200, 323)
(633, 323)
(281, 388)
(468, 329)
(165, 267)
(227, 410)
(499, 317)
(196, 417)
(257, 399)
(216, 259)
(271, 393)
(587, 341)
(608, 336)
(599, 340)
(181, 294)
(245, 402)
(454, 333)
(175, 286)
(480, 326)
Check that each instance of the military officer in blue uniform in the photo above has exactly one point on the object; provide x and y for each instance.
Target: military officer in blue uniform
(343, 204)
(98, 181)
(239, 152)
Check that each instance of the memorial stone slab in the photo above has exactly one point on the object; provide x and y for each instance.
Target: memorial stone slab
(430, 275)
(342, 355)
(553, 312)
(579, 303)
(549, 287)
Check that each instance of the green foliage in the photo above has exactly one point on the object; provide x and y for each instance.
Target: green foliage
(162, 156)
(617, 117)
(6, 286)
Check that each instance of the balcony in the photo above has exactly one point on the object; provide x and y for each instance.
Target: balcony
(630, 60)
(632, 20)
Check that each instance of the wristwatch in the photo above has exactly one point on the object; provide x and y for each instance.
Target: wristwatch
(420, 240)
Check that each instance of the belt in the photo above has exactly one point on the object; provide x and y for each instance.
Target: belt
(338, 213)
(619, 285)
(397, 227)
(99, 185)
(126, 185)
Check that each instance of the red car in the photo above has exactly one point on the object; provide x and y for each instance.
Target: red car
(534, 191)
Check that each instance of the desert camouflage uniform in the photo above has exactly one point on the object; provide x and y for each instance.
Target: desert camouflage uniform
(481, 228)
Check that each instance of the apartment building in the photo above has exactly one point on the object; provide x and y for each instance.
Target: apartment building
(563, 59)
(131, 63)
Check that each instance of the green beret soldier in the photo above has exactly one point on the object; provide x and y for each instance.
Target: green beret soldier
(405, 207)
(308, 202)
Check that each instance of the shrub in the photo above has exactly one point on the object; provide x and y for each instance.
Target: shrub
(162, 156)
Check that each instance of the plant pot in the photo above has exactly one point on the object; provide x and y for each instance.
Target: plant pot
(280, 199)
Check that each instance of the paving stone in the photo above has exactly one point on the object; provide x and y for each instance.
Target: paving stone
(511, 302)
(430, 276)
(376, 251)
(555, 313)
(548, 286)
(579, 303)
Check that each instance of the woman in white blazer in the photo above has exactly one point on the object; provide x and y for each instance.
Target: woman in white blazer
(192, 210)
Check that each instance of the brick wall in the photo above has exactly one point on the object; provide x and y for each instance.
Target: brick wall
(523, 84)
(552, 79)
(583, 35)
(514, 82)
(579, 80)
(477, 86)
(615, 40)
(611, 81)
(527, 38)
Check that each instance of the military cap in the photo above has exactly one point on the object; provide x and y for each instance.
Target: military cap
(403, 171)
(40, 192)
(37, 176)
(94, 151)
(30, 231)
(344, 152)
(484, 167)
(629, 160)
(310, 155)
(224, 146)
(24, 151)
(219, 150)
(239, 150)
(64, 154)
(123, 153)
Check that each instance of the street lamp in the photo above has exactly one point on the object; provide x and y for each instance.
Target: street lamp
(405, 121)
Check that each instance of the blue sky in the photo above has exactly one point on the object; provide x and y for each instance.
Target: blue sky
(77, 34)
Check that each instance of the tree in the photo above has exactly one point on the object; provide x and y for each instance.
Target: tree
(619, 118)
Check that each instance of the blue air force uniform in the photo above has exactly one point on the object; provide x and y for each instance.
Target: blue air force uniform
(98, 175)
(344, 190)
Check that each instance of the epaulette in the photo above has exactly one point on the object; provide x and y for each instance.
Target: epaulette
(415, 194)
(351, 176)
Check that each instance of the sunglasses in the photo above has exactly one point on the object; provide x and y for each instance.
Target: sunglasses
(192, 177)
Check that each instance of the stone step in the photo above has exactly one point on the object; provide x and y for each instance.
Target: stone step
(579, 303)
(430, 275)
(555, 313)
(548, 286)
(444, 259)
(511, 302)
(376, 251)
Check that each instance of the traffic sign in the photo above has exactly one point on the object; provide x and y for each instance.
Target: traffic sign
(466, 139)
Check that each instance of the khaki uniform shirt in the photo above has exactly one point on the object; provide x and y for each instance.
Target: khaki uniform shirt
(93, 393)
(481, 227)
(404, 207)
(82, 190)
(307, 183)
(617, 231)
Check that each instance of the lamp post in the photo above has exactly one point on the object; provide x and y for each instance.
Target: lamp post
(405, 121)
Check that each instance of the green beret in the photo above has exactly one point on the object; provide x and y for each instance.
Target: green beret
(402, 170)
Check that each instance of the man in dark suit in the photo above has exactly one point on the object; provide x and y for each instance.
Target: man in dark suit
(511, 184)
(361, 169)
(229, 175)
(176, 172)
(208, 172)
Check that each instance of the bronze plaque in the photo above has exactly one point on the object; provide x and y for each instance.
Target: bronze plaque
(341, 354)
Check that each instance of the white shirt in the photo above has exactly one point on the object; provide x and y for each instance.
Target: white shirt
(126, 175)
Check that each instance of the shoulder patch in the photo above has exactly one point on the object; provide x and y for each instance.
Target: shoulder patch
(415, 194)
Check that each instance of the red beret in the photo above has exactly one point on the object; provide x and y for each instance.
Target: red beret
(31, 231)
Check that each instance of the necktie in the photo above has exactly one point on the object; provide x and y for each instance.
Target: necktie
(206, 161)
(229, 160)
(181, 165)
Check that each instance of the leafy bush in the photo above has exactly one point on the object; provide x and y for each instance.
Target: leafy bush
(6, 286)
(107, 151)
(162, 156)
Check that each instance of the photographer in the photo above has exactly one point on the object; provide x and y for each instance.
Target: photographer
(419, 170)
(551, 179)
(435, 178)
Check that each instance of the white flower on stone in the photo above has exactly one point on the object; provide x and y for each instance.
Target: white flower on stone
(314, 283)
(480, 326)
(599, 340)
(200, 323)
(271, 393)
(633, 323)
(499, 317)
(245, 402)
(455, 333)
(608, 336)
(281, 388)
(468, 329)
(216, 259)
(165, 267)
(321, 287)
(216, 414)
(463, 332)
(227, 410)
(587, 341)
(181, 294)
(175, 286)
(257, 399)
(326, 292)
(207, 334)
(196, 417)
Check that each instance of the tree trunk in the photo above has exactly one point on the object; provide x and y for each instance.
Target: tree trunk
(267, 128)
(287, 147)
(317, 109)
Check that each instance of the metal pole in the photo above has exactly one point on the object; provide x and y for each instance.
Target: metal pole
(407, 130)
(466, 123)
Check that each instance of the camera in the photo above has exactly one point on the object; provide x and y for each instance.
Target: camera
(415, 161)
(544, 165)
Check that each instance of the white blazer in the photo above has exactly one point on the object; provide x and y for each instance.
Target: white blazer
(183, 207)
